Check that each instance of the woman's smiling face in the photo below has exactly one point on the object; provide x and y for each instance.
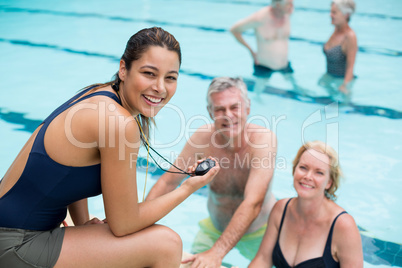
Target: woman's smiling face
(312, 174)
(151, 81)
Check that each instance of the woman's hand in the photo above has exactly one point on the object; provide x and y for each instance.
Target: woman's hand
(343, 89)
(196, 182)
(95, 221)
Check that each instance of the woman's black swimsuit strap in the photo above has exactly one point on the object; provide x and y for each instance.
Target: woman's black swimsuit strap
(283, 216)
(325, 261)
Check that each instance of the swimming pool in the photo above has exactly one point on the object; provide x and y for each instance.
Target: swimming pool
(50, 49)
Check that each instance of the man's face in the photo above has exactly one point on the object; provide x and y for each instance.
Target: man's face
(285, 6)
(229, 112)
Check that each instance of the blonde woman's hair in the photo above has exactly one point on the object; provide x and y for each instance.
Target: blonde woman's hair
(335, 169)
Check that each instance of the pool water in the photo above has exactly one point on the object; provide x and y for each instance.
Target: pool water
(51, 49)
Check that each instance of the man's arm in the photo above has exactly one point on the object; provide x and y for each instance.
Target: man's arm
(260, 176)
(261, 173)
(243, 25)
(169, 181)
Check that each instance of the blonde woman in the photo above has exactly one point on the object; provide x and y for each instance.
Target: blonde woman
(311, 230)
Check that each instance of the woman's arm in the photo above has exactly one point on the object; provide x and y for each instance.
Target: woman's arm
(119, 187)
(350, 49)
(79, 212)
(80, 215)
(347, 242)
(188, 156)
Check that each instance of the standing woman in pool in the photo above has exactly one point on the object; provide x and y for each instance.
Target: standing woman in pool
(311, 230)
(86, 147)
(340, 50)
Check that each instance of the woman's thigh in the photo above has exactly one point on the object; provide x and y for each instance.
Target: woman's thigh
(96, 246)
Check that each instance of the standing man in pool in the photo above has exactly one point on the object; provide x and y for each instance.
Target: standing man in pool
(240, 197)
(271, 27)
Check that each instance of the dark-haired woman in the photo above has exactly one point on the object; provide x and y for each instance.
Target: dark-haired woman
(86, 147)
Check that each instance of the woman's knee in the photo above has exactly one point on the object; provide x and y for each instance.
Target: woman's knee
(169, 237)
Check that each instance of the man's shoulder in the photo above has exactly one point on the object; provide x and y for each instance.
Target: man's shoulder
(260, 139)
(259, 132)
(265, 9)
(261, 13)
(256, 126)
(202, 135)
(204, 130)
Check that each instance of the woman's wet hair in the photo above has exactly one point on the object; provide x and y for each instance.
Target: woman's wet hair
(136, 46)
(220, 84)
(335, 172)
(347, 7)
(140, 42)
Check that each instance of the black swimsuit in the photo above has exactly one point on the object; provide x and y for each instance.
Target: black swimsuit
(325, 261)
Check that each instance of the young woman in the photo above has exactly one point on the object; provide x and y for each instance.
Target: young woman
(311, 230)
(340, 50)
(84, 148)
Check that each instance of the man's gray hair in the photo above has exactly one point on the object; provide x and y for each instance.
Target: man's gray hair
(220, 84)
(347, 7)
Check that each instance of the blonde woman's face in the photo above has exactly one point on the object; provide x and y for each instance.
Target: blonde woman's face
(312, 174)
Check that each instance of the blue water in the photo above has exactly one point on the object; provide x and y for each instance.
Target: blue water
(51, 49)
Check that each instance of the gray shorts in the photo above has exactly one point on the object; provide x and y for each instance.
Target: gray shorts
(26, 249)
